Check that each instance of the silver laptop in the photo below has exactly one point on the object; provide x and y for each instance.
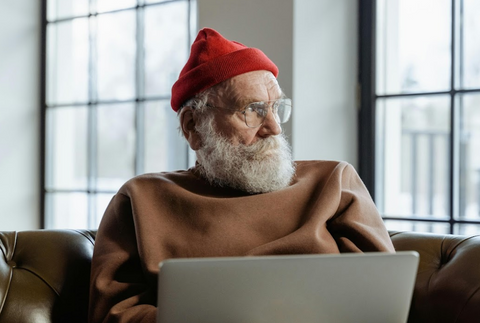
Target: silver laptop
(370, 288)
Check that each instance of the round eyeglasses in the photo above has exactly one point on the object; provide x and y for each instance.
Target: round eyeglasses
(256, 112)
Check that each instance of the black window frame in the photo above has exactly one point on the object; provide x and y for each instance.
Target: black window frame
(93, 103)
(368, 96)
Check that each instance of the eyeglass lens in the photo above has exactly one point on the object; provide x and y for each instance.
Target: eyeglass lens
(256, 112)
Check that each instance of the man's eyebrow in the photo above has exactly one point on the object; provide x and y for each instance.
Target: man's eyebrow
(245, 101)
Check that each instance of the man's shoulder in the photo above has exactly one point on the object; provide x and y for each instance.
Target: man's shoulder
(325, 164)
(323, 168)
(157, 180)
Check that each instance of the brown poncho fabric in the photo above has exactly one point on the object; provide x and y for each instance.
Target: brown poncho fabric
(326, 209)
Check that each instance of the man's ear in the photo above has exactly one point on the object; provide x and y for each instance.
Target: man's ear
(187, 122)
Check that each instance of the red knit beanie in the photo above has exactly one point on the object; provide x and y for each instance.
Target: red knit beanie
(214, 59)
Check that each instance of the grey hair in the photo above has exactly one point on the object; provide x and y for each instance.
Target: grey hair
(199, 103)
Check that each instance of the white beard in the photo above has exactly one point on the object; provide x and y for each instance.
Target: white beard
(262, 167)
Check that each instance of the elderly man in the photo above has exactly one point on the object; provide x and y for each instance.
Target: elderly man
(245, 195)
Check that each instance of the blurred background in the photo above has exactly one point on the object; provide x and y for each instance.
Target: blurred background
(85, 88)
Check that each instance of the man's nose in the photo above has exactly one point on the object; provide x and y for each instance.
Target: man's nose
(270, 126)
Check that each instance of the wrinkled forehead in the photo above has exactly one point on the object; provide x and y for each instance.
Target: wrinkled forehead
(249, 87)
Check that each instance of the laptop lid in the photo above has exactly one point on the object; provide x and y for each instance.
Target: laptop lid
(370, 287)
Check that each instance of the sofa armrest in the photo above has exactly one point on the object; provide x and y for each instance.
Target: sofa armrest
(448, 278)
(44, 275)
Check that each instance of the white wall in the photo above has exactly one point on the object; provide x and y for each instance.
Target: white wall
(313, 42)
(324, 80)
(19, 114)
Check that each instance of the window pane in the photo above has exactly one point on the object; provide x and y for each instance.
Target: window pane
(470, 68)
(155, 1)
(165, 147)
(419, 226)
(413, 45)
(116, 55)
(467, 229)
(166, 46)
(58, 9)
(470, 157)
(67, 63)
(116, 145)
(66, 211)
(413, 156)
(66, 148)
(108, 5)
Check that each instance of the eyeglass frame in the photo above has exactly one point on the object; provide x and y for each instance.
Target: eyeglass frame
(244, 110)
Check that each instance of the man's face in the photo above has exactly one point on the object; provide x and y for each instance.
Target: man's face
(255, 160)
(237, 93)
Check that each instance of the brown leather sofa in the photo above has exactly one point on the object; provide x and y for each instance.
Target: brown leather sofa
(44, 276)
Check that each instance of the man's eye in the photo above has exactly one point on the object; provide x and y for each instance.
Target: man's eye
(259, 108)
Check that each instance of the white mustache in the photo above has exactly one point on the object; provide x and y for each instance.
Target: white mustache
(263, 166)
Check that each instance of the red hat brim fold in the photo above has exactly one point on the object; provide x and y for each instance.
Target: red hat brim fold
(214, 59)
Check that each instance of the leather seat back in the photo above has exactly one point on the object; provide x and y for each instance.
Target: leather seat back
(44, 275)
(447, 288)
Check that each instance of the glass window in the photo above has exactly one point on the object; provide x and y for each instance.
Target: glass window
(155, 1)
(467, 229)
(110, 5)
(413, 140)
(116, 49)
(413, 46)
(59, 9)
(469, 45)
(166, 46)
(66, 143)
(469, 153)
(440, 228)
(67, 62)
(420, 116)
(163, 152)
(67, 210)
(115, 145)
(109, 69)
